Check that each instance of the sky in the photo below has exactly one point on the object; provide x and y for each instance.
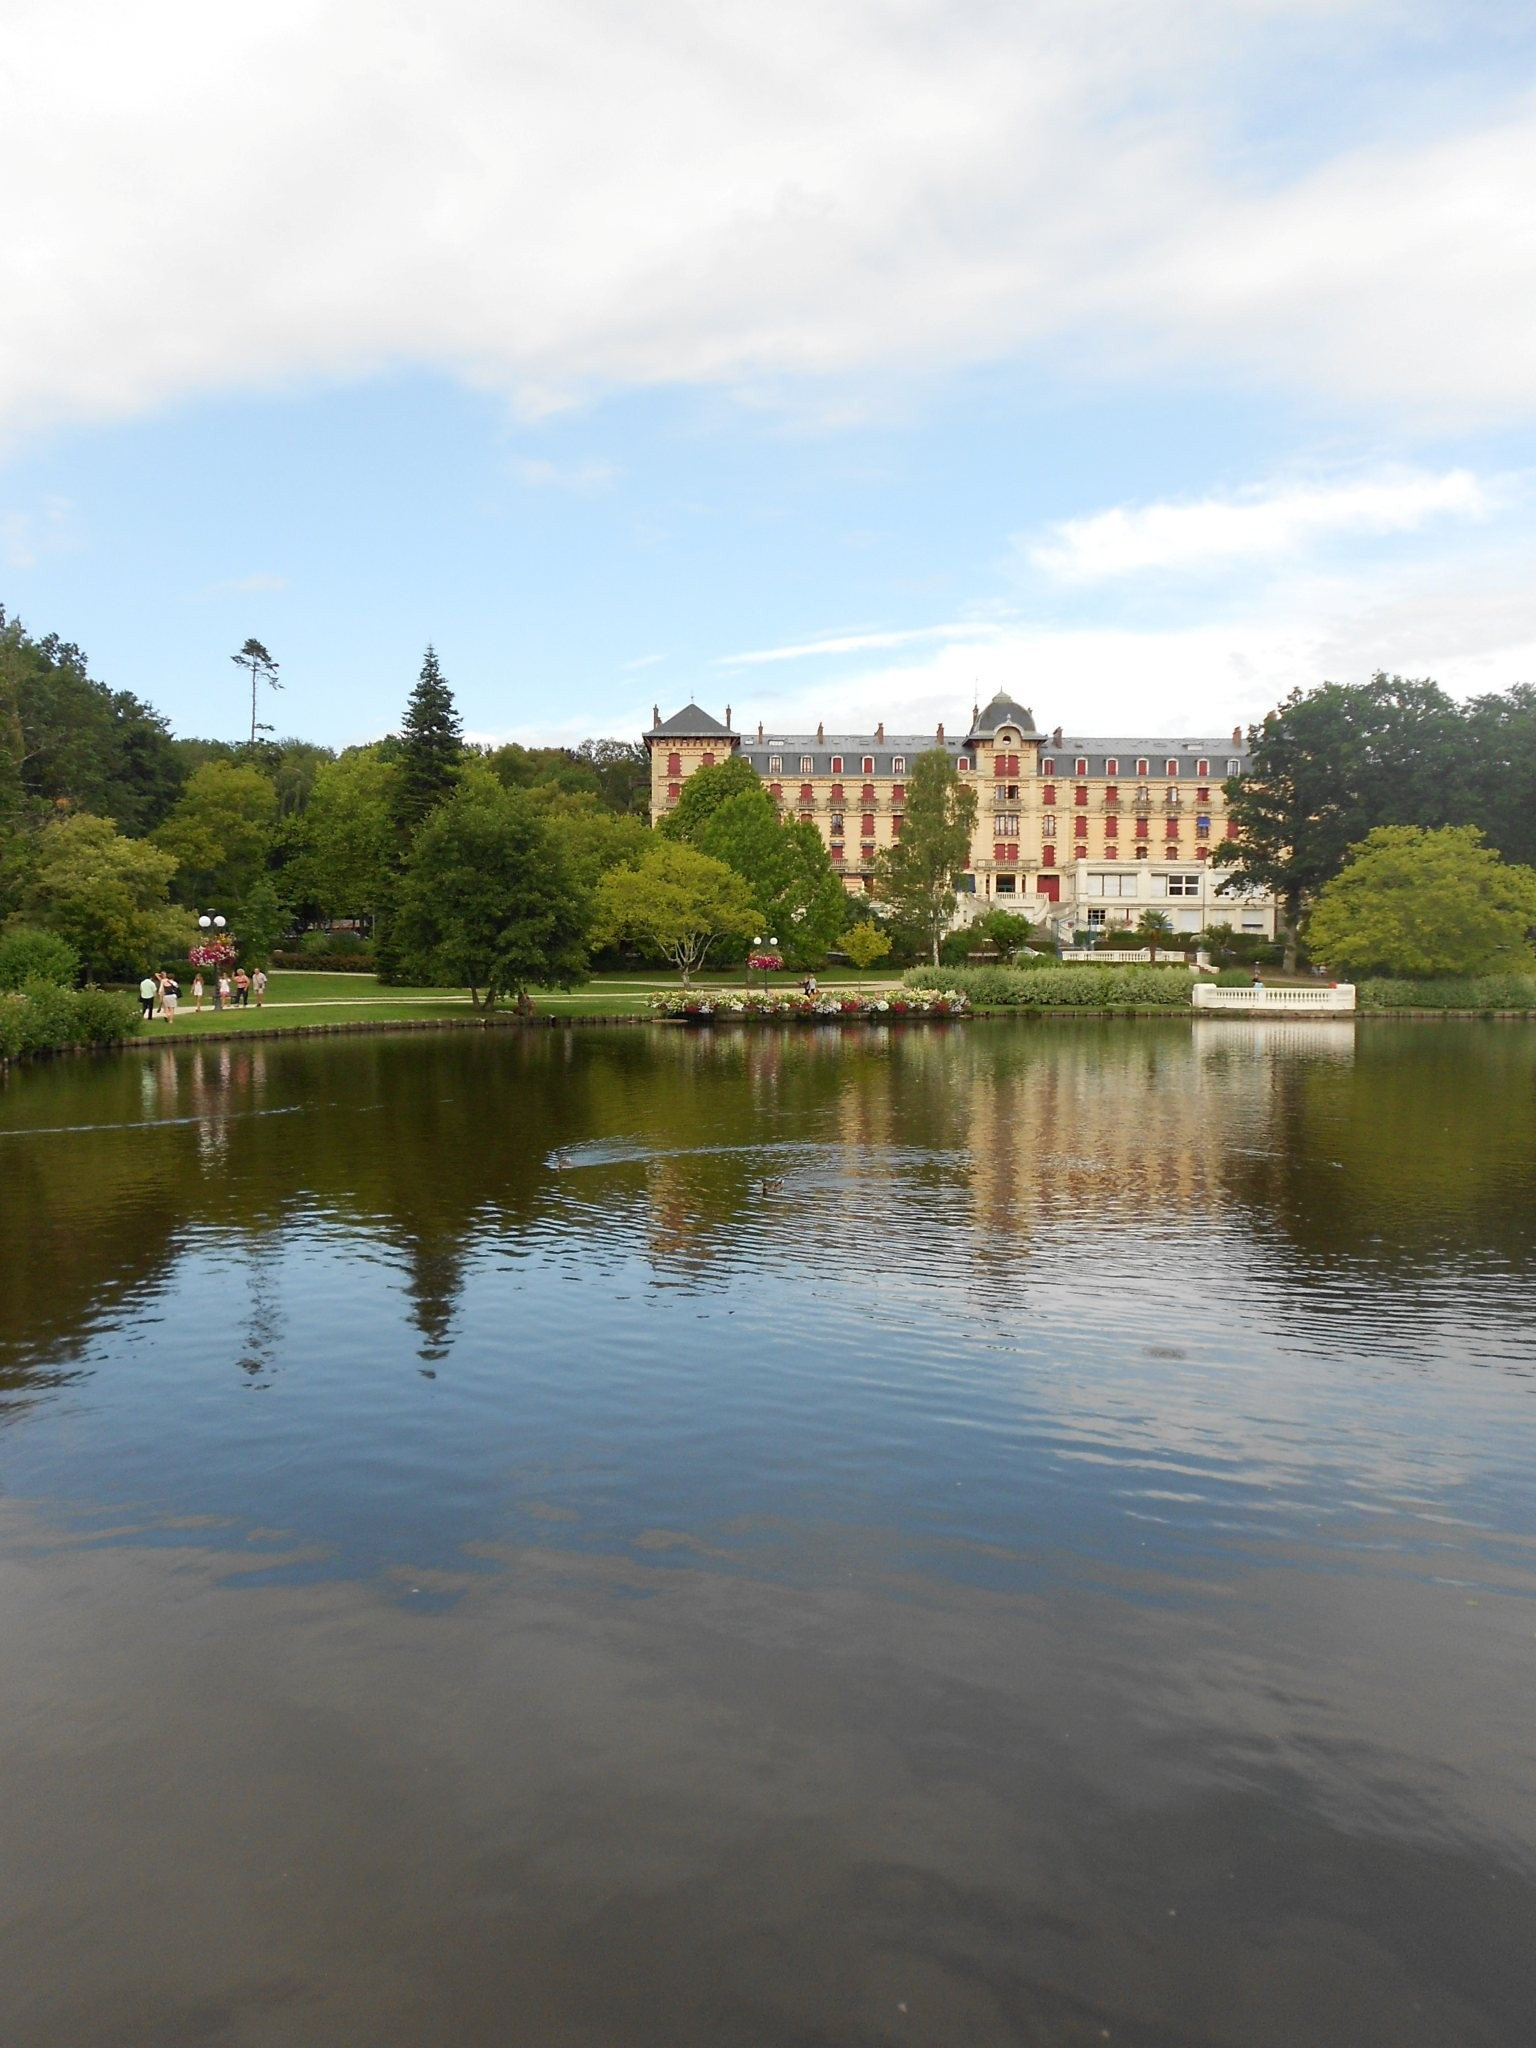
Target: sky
(833, 360)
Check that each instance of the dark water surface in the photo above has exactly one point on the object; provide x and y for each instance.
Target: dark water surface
(1002, 1533)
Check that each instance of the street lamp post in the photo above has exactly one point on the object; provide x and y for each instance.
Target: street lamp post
(211, 921)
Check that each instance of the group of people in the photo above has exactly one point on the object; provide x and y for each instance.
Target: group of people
(159, 993)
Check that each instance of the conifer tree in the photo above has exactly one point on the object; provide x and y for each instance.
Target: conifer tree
(431, 750)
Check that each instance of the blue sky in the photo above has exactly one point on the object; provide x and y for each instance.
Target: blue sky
(837, 361)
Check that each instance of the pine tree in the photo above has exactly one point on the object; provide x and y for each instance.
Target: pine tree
(431, 750)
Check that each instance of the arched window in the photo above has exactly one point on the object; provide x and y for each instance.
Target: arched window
(708, 761)
(1141, 767)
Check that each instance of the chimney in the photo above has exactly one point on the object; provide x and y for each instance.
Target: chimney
(941, 728)
(655, 716)
(1056, 737)
(759, 732)
(975, 716)
(880, 732)
(727, 717)
(1237, 735)
(820, 735)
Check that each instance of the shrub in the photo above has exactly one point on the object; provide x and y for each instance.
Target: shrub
(865, 943)
(37, 956)
(1062, 987)
(327, 963)
(1463, 992)
(44, 1018)
(316, 943)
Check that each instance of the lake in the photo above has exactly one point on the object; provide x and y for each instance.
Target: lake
(965, 1534)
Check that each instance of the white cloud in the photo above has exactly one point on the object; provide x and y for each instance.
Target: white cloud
(27, 537)
(854, 643)
(562, 196)
(1263, 524)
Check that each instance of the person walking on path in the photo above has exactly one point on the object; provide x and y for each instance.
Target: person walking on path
(149, 988)
(259, 986)
(242, 988)
(197, 991)
(222, 996)
(170, 995)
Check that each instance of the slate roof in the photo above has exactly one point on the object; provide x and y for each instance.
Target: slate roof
(688, 724)
(1004, 710)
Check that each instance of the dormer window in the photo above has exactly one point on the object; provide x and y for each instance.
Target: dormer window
(837, 764)
(1173, 770)
(807, 764)
(1234, 765)
(1111, 767)
(1047, 767)
(1080, 767)
(1141, 767)
(1202, 769)
(898, 764)
(963, 765)
(869, 764)
(775, 764)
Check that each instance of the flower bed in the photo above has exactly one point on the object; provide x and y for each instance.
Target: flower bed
(833, 1006)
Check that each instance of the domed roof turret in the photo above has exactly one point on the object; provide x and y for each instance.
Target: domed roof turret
(1004, 710)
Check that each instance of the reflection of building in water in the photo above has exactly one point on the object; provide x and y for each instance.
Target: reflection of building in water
(1242, 1038)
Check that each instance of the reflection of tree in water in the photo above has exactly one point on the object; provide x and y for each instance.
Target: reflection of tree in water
(435, 1266)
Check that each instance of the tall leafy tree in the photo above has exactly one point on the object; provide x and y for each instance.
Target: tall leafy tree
(916, 876)
(801, 899)
(1500, 752)
(1328, 766)
(348, 835)
(220, 833)
(623, 771)
(487, 900)
(704, 792)
(1415, 903)
(430, 752)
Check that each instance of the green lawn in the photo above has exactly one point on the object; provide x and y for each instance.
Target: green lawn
(296, 998)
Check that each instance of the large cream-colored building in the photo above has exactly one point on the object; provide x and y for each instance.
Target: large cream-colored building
(1088, 831)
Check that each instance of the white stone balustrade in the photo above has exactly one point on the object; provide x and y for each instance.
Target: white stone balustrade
(1339, 998)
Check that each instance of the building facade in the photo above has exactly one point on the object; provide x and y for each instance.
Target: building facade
(1076, 831)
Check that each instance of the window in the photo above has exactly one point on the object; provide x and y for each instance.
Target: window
(837, 853)
(837, 764)
(775, 764)
(1111, 828)
(1142, 852)
(1171, 829)
(1202, 853)
(1048, 794)
(1202, 828)
(807, 764)
(674, 791)
(898, 792)
(837, 792)
(837, 825)
(1231, 828)
(1173, 770)
(707, 761)
(868, 826)
(867, 793)
(869, 764)
(1007, 826)
(1141, 828)
(1011, 791)
(1253, 924)
(1047, 856)
(807, 793)
(1111, 766)
(1202, 796)
(1111, 885)
(896, 824)
(1183, 885)
(964, 768)
(776, 791)
(1234, 765)
(898, 764)
(1080, 796)
(674, 765)
(1202, 769)
(1111, 851)
(1079, 767)
(1047, 767)
(1096, 917)
(1007, 885)
(1141, 767)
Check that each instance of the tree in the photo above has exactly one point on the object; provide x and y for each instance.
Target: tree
(36, 956)
(487, 900)
(1004, 929)
(263, 668)
(798, 895)
(348, 835)
(704, 792)
(430, 753)
(106, 895)
(1328, 766)
(592, 838)
(916, 876)
(261, 918)
(1154, 928)
(220, 832)
(675, 902)
(1501, 770)
(1414, 903)
(623, 771)
(865, 943)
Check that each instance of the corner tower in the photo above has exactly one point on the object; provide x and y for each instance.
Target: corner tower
(687, 741)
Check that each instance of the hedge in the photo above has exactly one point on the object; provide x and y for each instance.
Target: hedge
(327, 963)
(1062, 987)
(44, 1018)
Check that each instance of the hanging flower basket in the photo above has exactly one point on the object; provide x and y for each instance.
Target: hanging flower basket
(213, 953)
(766, 963)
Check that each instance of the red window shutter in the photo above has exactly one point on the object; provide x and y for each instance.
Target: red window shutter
(1173, 828)
(869, 827)
(1141, 828)
(1048, 857)
(898, 792)
(1111, 828)
(1082, 793)
(807, 794)
(674, 764)
(776, 791)
(896, 825)
(837, 853)
(867, 793)
(837, 792)
(1048, 794)
(1202, 852)
(999, 765)
(1231, 828)
(674, 791)
(707, 761)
